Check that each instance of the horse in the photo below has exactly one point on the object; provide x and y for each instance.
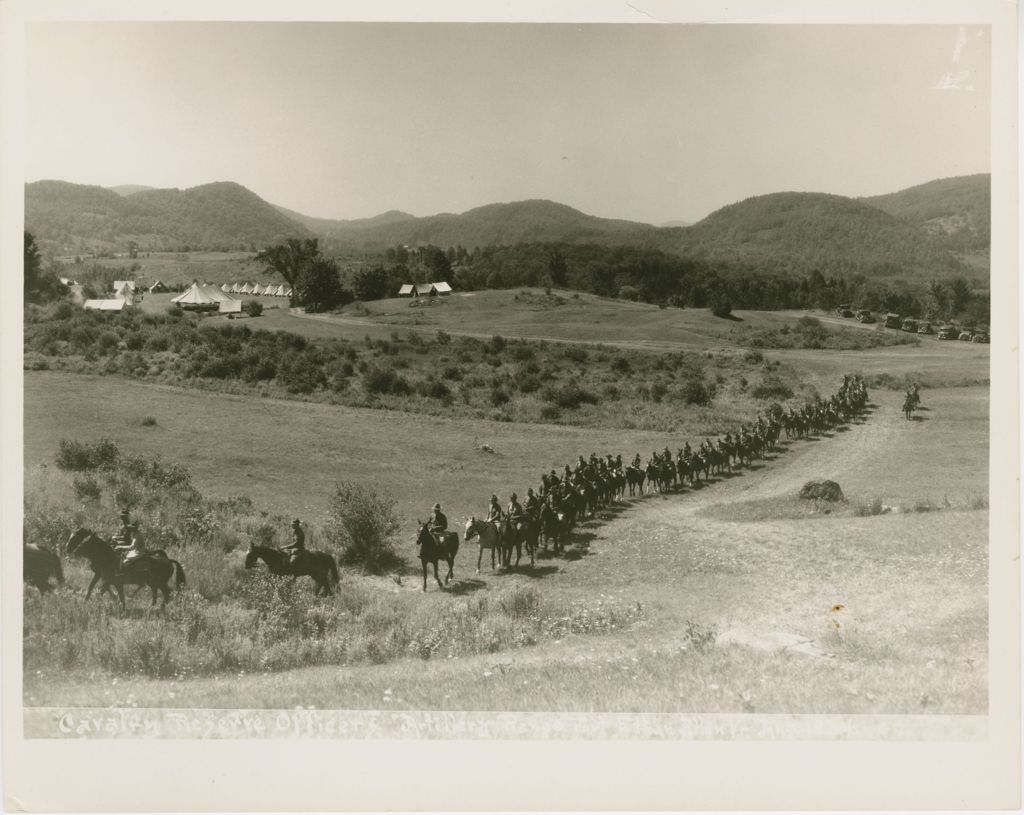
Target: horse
(154, 569)
(514, 536)
(635, 478)
(553, 526)
(39, 565)
(310, 563)
(431, 551)
(908, 406)
(489, 537)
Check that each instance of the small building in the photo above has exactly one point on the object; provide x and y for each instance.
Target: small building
(158, 287)
(407, 290)
(442, 288)
(117, 304)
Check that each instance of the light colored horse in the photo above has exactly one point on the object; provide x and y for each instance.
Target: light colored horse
(489, 539)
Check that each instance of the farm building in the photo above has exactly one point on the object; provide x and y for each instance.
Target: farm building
(157, 287)
(117, 304)
(124, 284)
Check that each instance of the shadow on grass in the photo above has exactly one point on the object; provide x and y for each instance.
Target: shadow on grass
(919, 418)
(534, 572)
(466, 586)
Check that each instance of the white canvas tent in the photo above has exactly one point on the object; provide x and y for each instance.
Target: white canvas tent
(116, 304)
(120, 284)
(197, 297)
(288, 293)
(229, 306)
(442, 288)
(246, 289)
(257, 289)
(159, 286)
(236, 288)
(225, 287)
(406, 290)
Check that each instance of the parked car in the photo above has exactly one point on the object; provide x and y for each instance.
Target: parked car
(842, 308)
(864, 316)
(909, 325)
(949, 332)
(980, 336)
(892, 320)
(925, 328)
(965, 336)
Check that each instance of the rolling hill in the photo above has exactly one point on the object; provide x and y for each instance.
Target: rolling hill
(956, 211)
(914, 233)
(803, 232)
(129, 189)
(75, 218)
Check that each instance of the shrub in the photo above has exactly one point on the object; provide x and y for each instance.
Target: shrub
(87, 489)
(621, 366)
(569, 396)
(753, 357)
(823, 490)
(698, 392)
(497, 343)
(75, 456)
(499, 397)
(253, 308)
(148, 421)
(772, 387)
(443, 337)
(362, 525)
(629, 293)
(720, 306)
(384, 380)
(300, 373)
(576, 353)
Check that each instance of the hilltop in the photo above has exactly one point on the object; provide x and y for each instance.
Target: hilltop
(804, 232)
(74, 218)
(956, 211)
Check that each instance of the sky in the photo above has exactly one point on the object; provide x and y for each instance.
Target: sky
(644, 122)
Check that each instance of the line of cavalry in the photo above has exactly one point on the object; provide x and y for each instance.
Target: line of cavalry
(545, 518)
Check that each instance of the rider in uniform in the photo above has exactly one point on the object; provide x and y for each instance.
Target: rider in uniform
(494, 514)
(298, 545)
(515, 512)
(131, 547)
(532, 503)
(438, 523)
(636, 461)
(123, 537)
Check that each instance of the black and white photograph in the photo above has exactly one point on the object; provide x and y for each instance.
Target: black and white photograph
(580, 382)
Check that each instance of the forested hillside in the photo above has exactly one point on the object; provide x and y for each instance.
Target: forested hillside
(74, 218)
(957, 211)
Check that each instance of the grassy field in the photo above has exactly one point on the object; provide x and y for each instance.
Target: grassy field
(735, 597)
(911, 631)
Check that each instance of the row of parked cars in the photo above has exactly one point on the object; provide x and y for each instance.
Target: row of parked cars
(945, 332)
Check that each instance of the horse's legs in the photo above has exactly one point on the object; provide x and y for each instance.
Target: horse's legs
(152, 588)
(120, 595)
(424, 574)
(440, 585)
(92, 585)
(480, 556)
(167, 595)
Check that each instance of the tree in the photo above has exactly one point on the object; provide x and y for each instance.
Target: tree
(290, 259)
(319, 288)
(40, 285)
(940, 297)
(720, 304)
(371, 284)
(558, 268)
(959, 294)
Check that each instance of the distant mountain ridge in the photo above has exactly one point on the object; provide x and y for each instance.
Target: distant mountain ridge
(914, 232)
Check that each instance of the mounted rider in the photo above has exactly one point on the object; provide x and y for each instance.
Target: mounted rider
(636, 461)
(131, 546)
(494, 513)
(123, 535)
(297, 548)
(532, 503)
(438, 524)
(516, 515)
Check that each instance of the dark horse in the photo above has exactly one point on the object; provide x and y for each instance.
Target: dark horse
(39, 565)
(431, 552)
(318, 565)
(153, 569)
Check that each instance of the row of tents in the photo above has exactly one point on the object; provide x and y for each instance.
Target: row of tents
(269, 290)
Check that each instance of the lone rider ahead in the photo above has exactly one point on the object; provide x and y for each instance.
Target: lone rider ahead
(438, 523)
(298, 546)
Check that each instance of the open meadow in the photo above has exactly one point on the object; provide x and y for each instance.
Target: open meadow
(747, 598)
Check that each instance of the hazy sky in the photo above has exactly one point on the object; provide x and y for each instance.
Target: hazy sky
(646, 122)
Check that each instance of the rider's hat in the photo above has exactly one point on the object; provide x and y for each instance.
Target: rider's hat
(295, 522)
(494, 497)
(514, 497)
(437, 506)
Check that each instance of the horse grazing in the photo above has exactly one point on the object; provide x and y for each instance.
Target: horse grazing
(310, 563)
(153, 569)
(39, 565)
(431, 551)
(489, 538)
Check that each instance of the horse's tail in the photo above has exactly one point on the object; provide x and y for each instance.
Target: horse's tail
(179, 574)
(332, 569)
(58, 570)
